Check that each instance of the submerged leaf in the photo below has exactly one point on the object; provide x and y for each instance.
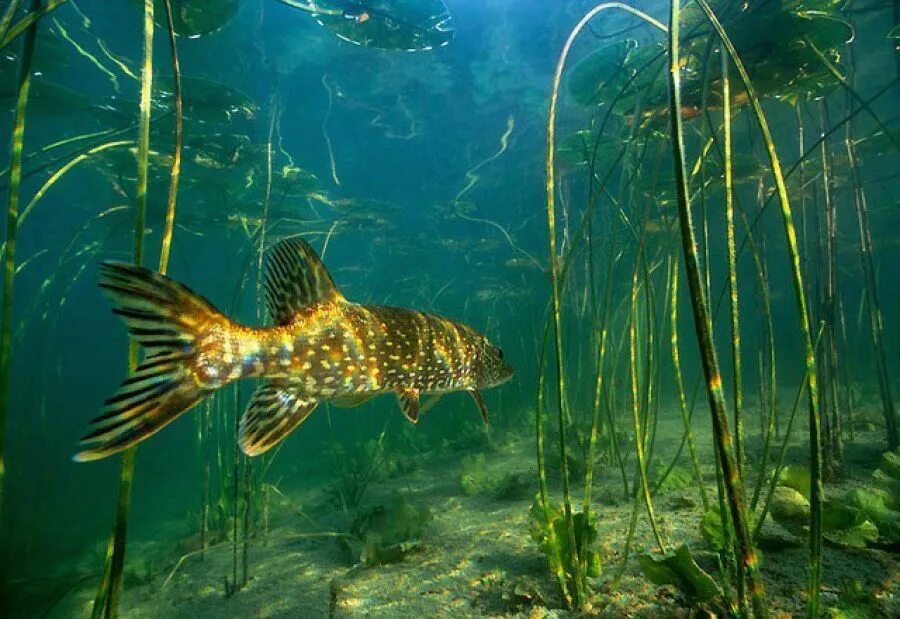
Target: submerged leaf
(677, 567)
(796, 477)
(195, 18)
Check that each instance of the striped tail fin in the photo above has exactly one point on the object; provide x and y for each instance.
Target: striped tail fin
(167, 319)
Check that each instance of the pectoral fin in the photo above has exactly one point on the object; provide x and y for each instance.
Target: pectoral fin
(479, 401)
(274, 410)
(409, 404)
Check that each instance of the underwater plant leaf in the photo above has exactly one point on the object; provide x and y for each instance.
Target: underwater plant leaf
(677, 567)
(678, 478)
(837, 515)
(552, 536)
(874, 505)
(711, 529)
(789, 506)
(577, 150)
(403, 25)
(196, 18)
(601, 73)
(796, 477)
(858, 536)
(205, 101)
(388, 532)
(890, 464)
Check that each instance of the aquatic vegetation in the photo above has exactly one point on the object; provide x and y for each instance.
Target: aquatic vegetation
(476, 478)
(195, 19)
(548, 528)
(401, 25)
(356, 469)
(388, 532)
(677, 567)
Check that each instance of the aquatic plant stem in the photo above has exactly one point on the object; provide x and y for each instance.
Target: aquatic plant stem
(106, 604)
(703, 326)
(273, 111)
(175, 170)
(815, 432)
(26, 22)
(733, 296)
(9, 254)
(554, 267)
(8, 14)
(679, 383)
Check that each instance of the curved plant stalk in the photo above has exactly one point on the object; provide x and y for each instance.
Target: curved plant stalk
(724, 444)
(175, 170)
(542, 470)
(872, 296)
(12, 225)
(679, 383)
(265, 214)
(8, 14)
(779, 464)
(733, 295)
(31, 18)
(639, 434)
(815, 433)
(554, 267)
(106, 602)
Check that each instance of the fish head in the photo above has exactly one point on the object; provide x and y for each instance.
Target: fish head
(492, 368)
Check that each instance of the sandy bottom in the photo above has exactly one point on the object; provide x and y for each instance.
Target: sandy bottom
(477, 559)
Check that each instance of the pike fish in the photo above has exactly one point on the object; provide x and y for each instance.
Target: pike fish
(320, 347)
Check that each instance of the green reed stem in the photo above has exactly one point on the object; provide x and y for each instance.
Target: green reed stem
(876, 319)
(636, 400)
(8, 14)
(595, 410)
(29, 20)
(703, 326)
(734, 305)
(110, 590)
(12, 226)
(542, 470)
(679, 383)
(175, 170)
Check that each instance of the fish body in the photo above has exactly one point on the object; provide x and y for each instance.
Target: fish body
(321, 347)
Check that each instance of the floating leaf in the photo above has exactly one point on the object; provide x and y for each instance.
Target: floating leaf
(195, 18)
(408, 25)
(601, 74)
(677, 567)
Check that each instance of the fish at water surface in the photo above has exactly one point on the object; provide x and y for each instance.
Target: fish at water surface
(321, 347)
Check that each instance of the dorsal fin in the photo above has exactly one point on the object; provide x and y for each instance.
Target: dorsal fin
(296, 278)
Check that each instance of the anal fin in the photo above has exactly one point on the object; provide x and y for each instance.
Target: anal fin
(409, 404)
(275, 409)
(479, 402)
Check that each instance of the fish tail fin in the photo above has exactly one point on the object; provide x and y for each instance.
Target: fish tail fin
(169, 321)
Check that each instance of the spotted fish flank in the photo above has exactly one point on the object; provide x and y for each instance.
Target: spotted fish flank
(320, 347)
